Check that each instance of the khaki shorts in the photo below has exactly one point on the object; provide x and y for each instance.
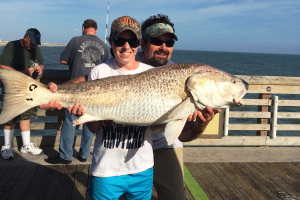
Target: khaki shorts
(168, 174)
(31, 113)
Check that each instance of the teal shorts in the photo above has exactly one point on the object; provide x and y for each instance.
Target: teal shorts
(131, 186)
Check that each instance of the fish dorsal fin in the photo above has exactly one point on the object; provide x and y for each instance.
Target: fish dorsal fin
(173, 130)
(187, 102)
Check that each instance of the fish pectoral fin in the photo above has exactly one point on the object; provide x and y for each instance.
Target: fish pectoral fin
(173, 130)
(84, 119)
(182, 106)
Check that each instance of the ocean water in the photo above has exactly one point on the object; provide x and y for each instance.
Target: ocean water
(257, 64)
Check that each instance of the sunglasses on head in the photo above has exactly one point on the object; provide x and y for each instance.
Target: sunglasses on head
(159, 42)
(132, 42)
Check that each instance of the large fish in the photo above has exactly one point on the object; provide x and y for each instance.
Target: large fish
(162, 95)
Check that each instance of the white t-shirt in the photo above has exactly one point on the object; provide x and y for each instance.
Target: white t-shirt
(159, 139)
(120, 149)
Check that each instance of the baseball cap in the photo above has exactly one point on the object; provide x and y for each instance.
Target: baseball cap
(125, 23)
(158, 29)
(35, 36)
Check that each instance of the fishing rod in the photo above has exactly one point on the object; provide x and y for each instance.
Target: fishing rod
(106, 22)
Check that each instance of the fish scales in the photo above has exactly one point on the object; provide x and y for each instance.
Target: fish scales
(133, 98)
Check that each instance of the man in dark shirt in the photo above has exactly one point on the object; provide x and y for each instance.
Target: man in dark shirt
(25, 56)
(81, 54)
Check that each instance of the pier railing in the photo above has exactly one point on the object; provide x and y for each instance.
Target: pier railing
(265, 92)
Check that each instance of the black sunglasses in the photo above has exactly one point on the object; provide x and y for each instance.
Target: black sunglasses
(132, 42)
(159, 42)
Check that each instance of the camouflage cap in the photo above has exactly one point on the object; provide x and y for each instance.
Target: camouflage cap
(158, 29)
(125, 23)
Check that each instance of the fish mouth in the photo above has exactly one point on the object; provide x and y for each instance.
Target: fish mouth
(237, 98)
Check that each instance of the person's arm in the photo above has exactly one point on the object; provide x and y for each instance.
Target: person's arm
(63, 62)
(196, 124)
(6, 67)
(78, 79)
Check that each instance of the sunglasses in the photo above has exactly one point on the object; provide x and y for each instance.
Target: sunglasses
(159, 42)
(132, 42)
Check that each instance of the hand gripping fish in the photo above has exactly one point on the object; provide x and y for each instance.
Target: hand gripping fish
(162, 95)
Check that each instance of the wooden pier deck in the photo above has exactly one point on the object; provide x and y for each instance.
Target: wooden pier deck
(248, 173)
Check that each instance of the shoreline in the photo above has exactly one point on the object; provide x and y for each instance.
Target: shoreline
(43, 44)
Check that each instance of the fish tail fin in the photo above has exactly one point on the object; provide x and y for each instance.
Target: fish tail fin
(20, 94)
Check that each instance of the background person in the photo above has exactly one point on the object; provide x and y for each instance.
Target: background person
(81, 54)
(19, 55)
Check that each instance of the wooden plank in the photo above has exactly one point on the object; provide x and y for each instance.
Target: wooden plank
(289, 170)
(226, 180)
(51, 185)
(241, 181)
(278, 170)
(283, 80)
(254, 79)
(66, 183)
(273, 176)
(253, 127)
(274, 89)
(21, 186)
(254, 182)
(288, 102)
(243, 114)
(270, 184)
(289, 127)
(9, 175)
(258, 102)
(214, 180)
(246, 141)
(288, 115)
(249, 127)
(199, 176)
(81, 181)
(36, 184)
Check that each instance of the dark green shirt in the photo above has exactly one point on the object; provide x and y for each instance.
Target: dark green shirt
(16, 56)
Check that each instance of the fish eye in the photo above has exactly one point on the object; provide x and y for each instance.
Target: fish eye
(233, 81)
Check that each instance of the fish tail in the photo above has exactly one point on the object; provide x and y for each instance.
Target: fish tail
(20, 94)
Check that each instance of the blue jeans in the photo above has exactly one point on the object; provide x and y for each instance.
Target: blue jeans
(67, 138)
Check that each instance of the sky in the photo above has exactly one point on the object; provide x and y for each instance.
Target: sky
(255, 26)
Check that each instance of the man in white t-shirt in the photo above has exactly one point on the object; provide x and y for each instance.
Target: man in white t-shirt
(158, 38)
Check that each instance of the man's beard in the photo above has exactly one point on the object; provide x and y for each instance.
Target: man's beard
(155, 61)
